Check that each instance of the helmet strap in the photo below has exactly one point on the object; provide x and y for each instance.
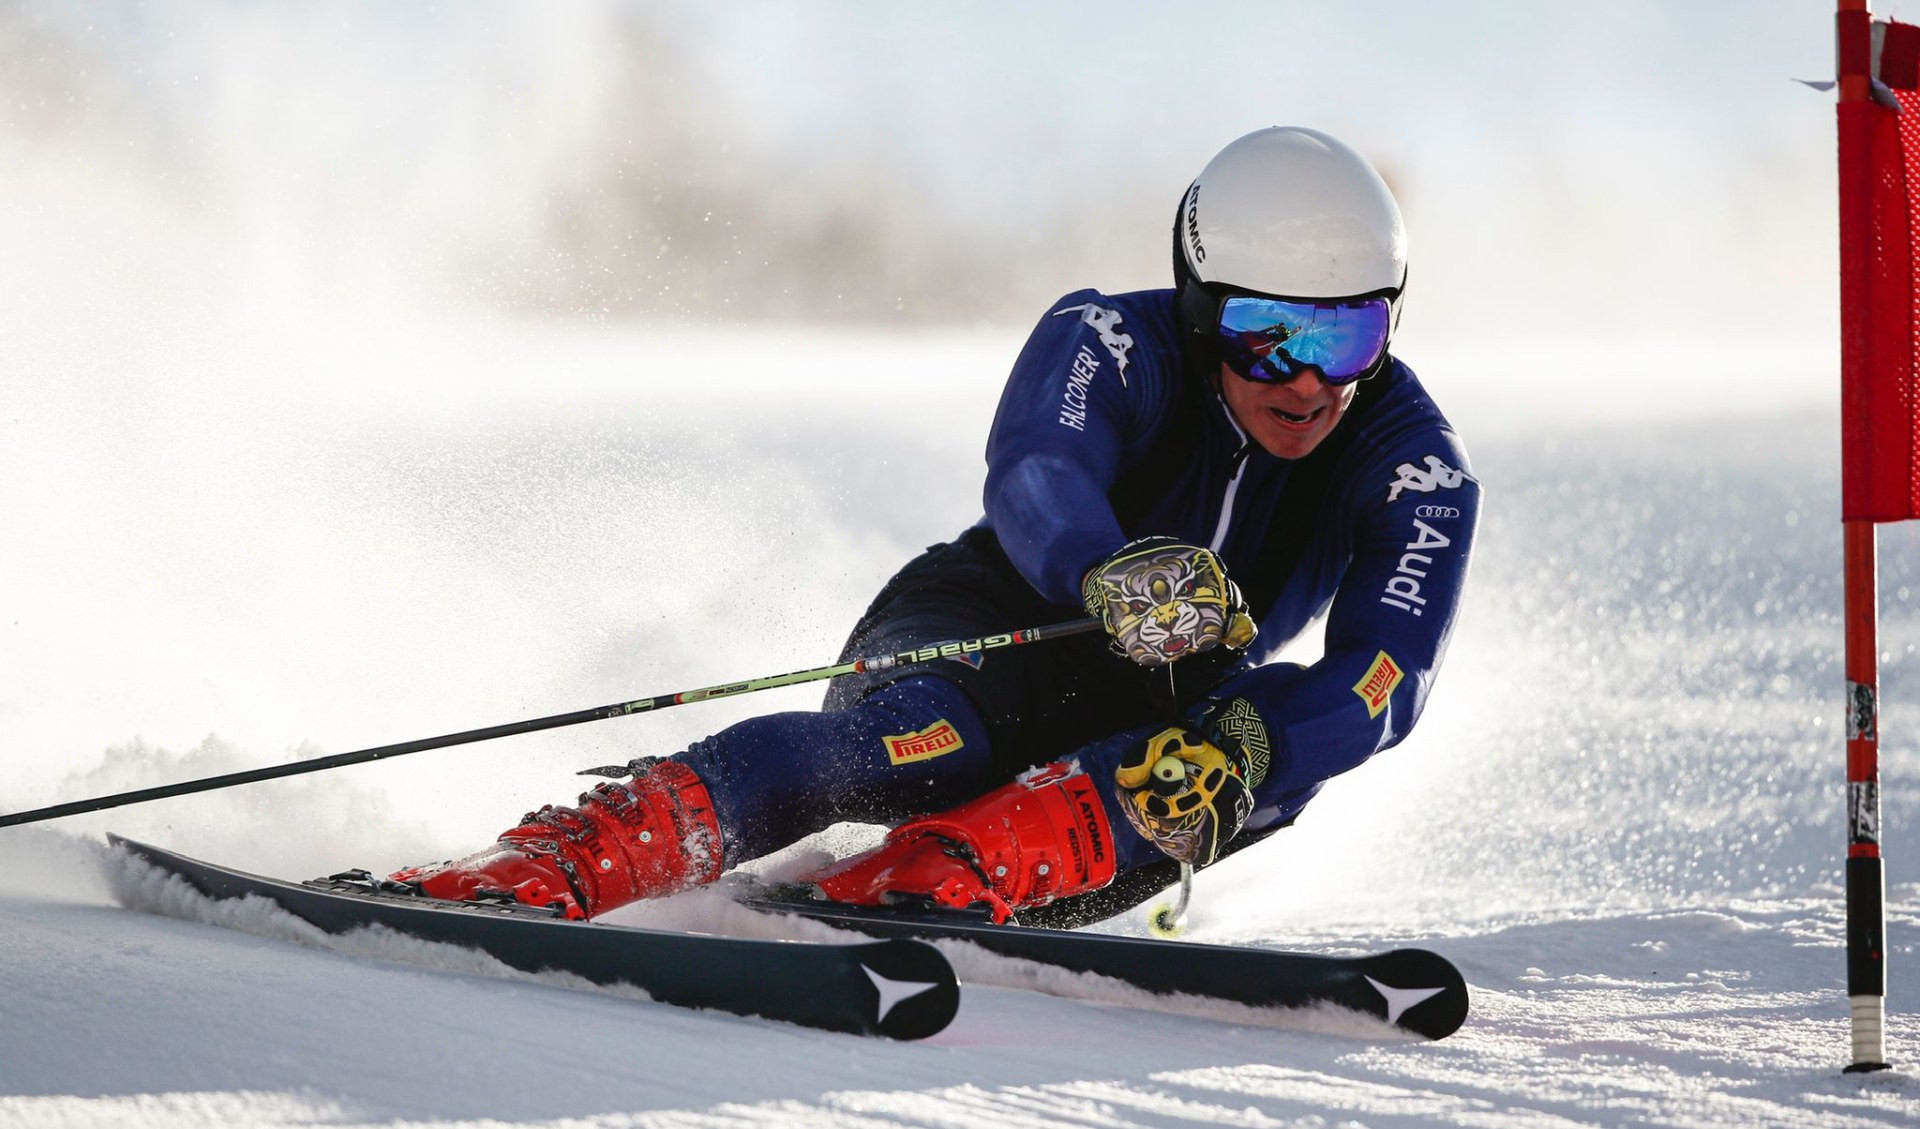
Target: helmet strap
(1195, 312)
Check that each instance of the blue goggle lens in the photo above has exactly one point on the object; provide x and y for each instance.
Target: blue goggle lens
(1271, 340)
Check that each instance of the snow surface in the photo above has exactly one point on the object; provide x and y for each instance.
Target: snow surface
(1622, 817)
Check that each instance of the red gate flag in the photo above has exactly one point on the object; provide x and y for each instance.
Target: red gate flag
(1879, 68)
(1879, 291)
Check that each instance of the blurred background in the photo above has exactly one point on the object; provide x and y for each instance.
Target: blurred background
(1638, 168)
(370, 371)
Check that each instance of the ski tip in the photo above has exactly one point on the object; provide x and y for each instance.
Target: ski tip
(1421, 992)
(133, 847)
(153, 856)
(915, 991)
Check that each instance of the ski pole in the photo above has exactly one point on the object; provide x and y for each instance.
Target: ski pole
(1171, 920)
(534, 725)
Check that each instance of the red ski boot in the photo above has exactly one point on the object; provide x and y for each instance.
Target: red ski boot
(653, 835)
(1042, 837)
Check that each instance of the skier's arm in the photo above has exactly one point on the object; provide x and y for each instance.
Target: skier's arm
(1386, 633)
(1064, 420)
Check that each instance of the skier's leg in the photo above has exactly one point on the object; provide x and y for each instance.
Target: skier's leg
(914, 746)
(911, 747)
(890, 744)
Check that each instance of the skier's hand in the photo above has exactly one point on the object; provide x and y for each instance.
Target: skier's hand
(1188, 793)
(1162, 600)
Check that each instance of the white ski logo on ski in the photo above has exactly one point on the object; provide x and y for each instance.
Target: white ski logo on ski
(1437, 476)
(1398, 999)
(893, 992)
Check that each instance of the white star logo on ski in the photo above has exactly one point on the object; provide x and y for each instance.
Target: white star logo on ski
(894, 991)
(1398, 999)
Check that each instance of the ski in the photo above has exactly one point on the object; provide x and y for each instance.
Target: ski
(1411, 989)
(898, 988)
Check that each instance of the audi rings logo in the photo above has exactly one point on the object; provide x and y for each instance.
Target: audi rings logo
(1436, 511)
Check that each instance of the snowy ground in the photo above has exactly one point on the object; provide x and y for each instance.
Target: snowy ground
(1681, 1017)
(1622, 817)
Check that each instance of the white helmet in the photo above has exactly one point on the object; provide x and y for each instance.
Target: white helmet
(1286, 212)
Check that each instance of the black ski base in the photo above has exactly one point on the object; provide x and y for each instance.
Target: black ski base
(898, 988)
(1412, 989)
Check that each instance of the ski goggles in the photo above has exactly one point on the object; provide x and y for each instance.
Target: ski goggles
(1273, 340)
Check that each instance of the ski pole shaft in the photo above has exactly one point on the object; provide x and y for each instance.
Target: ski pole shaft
(533, 725)
(1171, 920)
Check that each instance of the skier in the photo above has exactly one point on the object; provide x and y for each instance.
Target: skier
(1205, 470)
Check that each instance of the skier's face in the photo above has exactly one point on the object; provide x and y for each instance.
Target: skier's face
(1288, 420)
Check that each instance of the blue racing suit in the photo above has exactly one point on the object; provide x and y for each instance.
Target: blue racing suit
(1107, 432)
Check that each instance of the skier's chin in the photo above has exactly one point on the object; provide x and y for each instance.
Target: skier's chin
(1292, 434)
(1287, 420)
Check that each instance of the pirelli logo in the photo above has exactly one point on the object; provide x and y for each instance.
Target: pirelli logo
(936, 740)
(1376, 686)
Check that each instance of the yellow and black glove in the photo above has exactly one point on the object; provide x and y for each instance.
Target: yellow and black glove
(1189, 789)
(1185, 794)
(1163, 600)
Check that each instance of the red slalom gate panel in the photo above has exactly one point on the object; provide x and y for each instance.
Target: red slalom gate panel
(1880, 301)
